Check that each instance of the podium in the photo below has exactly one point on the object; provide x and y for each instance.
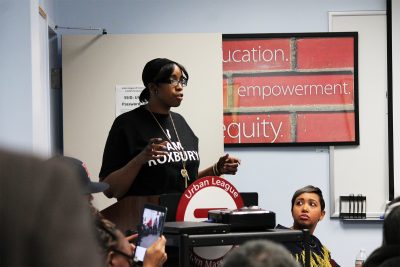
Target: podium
(126, 212)
(185, 242)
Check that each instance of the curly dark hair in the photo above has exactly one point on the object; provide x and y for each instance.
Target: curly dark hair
(107, 235)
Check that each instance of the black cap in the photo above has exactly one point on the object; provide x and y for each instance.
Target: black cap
(88, 186)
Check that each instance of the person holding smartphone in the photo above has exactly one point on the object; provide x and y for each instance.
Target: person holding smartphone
(151, 150)
(118, 252)
(150, 229)
(116, 248)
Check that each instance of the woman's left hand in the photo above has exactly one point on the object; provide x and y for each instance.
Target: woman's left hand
(227, 165)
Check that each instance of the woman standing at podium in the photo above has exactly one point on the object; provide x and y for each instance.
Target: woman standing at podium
(151, 150)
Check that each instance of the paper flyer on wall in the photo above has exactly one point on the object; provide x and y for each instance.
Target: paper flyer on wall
(126, 98)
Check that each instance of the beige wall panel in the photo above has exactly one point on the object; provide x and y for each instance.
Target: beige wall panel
(94, 65)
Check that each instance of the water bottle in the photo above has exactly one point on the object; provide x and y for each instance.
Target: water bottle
(361, 257)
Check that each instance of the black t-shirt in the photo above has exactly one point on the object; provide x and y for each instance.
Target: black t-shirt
(130, 134)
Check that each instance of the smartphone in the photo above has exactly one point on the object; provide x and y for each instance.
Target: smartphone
(150, 228)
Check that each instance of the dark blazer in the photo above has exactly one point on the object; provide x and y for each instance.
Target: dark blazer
(44, 218)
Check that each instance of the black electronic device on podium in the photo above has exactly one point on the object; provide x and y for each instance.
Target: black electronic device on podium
(185, 239)
(251, 218)
(171, 201)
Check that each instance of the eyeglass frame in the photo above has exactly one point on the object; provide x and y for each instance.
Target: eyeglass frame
(183, 82)
(130, 258)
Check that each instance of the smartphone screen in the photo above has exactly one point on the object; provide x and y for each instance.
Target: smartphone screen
(150, 229)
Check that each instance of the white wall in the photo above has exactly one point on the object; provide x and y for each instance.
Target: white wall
(274, 173)
(16, 74)
(21, 68)
(396, 96)
(189, 16)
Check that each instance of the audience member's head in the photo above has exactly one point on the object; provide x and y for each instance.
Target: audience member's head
(44, 219)
(308, 208)
(114, 246)
(391, 224)
(117, 251)
(309, 189)
(81, 169)
(388, 255)
(259, 253)
(87, 185)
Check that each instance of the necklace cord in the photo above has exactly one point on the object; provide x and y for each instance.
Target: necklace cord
(184, 171)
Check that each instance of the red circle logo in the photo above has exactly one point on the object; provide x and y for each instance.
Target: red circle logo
(207, 193)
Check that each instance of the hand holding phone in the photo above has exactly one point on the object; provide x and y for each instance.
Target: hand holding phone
(155, 255)
(150, 229)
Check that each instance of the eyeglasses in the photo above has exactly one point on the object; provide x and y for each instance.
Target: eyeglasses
(127, 256)
(175, 82)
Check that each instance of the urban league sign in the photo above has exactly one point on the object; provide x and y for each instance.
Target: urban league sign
(207, 193)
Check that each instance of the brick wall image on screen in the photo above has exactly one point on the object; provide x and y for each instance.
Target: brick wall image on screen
(289, 90)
